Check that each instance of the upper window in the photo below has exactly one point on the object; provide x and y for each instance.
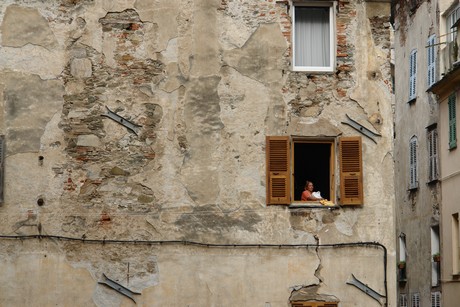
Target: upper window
(432, 154)
(452, 121)
(413, 171)
(313, 37)
(431, 49)
(412, 74)
(293, 161)
(450, 21)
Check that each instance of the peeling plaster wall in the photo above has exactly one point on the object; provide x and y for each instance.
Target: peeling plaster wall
(206, 80)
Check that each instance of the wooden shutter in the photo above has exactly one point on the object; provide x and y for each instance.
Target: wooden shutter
(452, 121)
(351, 171)
(2, 167)
(278, 170)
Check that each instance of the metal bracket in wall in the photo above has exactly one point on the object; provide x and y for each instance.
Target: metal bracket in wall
(122, 121)
(366, 289)
(354, 124)
(117, 287)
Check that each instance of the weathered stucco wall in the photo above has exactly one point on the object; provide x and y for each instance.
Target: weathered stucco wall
(206, 80)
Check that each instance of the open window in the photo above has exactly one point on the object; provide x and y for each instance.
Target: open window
(291, 161)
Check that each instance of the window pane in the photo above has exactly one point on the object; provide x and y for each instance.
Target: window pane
(312, 37)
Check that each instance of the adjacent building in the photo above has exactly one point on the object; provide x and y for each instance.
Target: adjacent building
(427, 76)
(155, 153)
(447, 93)
(417, 193)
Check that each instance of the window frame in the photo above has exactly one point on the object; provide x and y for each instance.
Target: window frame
(431, 56)
(332, 164)
(413, 163)
(455, 224)
(452, 110)
(332, 36)
(280, 172)
(413, 75)
(451, 19)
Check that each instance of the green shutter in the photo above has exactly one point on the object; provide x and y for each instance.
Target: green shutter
(452, 121)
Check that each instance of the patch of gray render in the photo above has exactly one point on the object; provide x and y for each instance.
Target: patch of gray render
(259, 56)
(30, 103)
(22, 26)
(203, 128)
(208, 219)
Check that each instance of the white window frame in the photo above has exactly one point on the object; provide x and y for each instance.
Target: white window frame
(435, 244)
(451, 18)
(413, 74)
(413, 161)
(332, 37)
(431, 56)
(433, 165)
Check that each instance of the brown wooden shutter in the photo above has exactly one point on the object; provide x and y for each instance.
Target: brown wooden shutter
(278, 167)
(351, 171)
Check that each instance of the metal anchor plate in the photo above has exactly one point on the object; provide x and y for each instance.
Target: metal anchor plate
(122, 121)
(366, 289)
(117, 287)
(354, 124)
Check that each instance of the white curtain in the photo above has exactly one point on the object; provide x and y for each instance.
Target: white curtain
(312, 42)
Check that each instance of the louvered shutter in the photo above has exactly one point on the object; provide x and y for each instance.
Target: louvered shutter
(452, 121)
(2, 165)
(413, 173)
(412, 74)
(278, 168)
(403, 300)
(351, 171)
(436, 299)
(416, 300)
(433, 154)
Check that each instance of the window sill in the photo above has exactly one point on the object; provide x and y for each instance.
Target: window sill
(432, 181)
(412, 101)
(313, 70)
(311, 205)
